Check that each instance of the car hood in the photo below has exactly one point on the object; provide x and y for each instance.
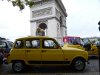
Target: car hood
(72, 49)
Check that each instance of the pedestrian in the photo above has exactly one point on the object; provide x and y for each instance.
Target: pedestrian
(1, 56)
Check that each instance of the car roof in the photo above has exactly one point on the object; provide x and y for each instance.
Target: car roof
(31, 37)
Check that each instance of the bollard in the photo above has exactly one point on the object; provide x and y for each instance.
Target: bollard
(98, 46)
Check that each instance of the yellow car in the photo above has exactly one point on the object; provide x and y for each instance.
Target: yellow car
(45, 51)
(90, 47)
(84, 44)
(72, 41)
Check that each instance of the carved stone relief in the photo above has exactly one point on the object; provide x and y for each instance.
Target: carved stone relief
(42, 12)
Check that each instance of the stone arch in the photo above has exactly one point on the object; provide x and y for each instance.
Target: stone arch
(41, 30)
(42, 26)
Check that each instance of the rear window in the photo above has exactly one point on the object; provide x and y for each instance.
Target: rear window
(19, 44)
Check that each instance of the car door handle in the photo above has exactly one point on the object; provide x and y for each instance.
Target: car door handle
(43, 50)
(27, 50)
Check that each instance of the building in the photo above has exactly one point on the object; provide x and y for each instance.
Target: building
(49, 17)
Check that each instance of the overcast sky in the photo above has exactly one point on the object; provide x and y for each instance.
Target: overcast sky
(82, 20)
(83, 17)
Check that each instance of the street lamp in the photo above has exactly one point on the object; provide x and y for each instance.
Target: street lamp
(98, 46)
(99, 25)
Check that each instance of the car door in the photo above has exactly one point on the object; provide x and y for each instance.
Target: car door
(33, 51)
(51, 52)
(18, 52)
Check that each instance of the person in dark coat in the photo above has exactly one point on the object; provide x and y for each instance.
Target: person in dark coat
(1, 56)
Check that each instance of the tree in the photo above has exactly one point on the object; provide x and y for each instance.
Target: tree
(21, 3)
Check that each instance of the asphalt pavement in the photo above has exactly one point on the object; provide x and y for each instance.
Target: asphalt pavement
(91, 69)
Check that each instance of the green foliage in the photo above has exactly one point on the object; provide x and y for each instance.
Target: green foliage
(21, 3)
(30, 3)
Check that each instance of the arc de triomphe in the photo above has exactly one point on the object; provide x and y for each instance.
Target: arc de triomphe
(49, 16)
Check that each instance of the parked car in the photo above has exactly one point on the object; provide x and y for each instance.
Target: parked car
(6, 45)
(72, 41)
(90, 47)
(82, 43)
(44, 51)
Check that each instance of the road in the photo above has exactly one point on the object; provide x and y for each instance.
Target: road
(91, 69)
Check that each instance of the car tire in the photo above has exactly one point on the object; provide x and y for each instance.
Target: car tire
(78, 64)
(1, 61)
(18, 66)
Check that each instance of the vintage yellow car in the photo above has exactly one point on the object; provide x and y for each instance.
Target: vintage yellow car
(90, 47)
(45, 51)
(81, 43)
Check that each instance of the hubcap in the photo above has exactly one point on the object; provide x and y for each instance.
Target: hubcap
(79, 65)
(18, 67)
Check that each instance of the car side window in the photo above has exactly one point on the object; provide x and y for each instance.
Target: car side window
(28, 44)
(49, 44)
(19, 44)
(33, 43)
(36, 43)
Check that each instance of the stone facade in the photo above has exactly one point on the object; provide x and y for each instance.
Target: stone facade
(53, 14)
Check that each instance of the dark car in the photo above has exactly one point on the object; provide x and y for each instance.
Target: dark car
(6, 45)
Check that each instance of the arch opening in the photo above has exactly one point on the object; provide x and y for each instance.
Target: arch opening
(41, 30)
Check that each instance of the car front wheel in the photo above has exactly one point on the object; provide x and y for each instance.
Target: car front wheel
(18, 66)
(78, 64)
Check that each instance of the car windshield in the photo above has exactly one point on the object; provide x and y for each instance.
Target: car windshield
(71, 40)
(86, 41)
(2, 44)
(74, 41)
(10, 43)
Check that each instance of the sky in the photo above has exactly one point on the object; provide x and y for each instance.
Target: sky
(83, 17)
(82, 20)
